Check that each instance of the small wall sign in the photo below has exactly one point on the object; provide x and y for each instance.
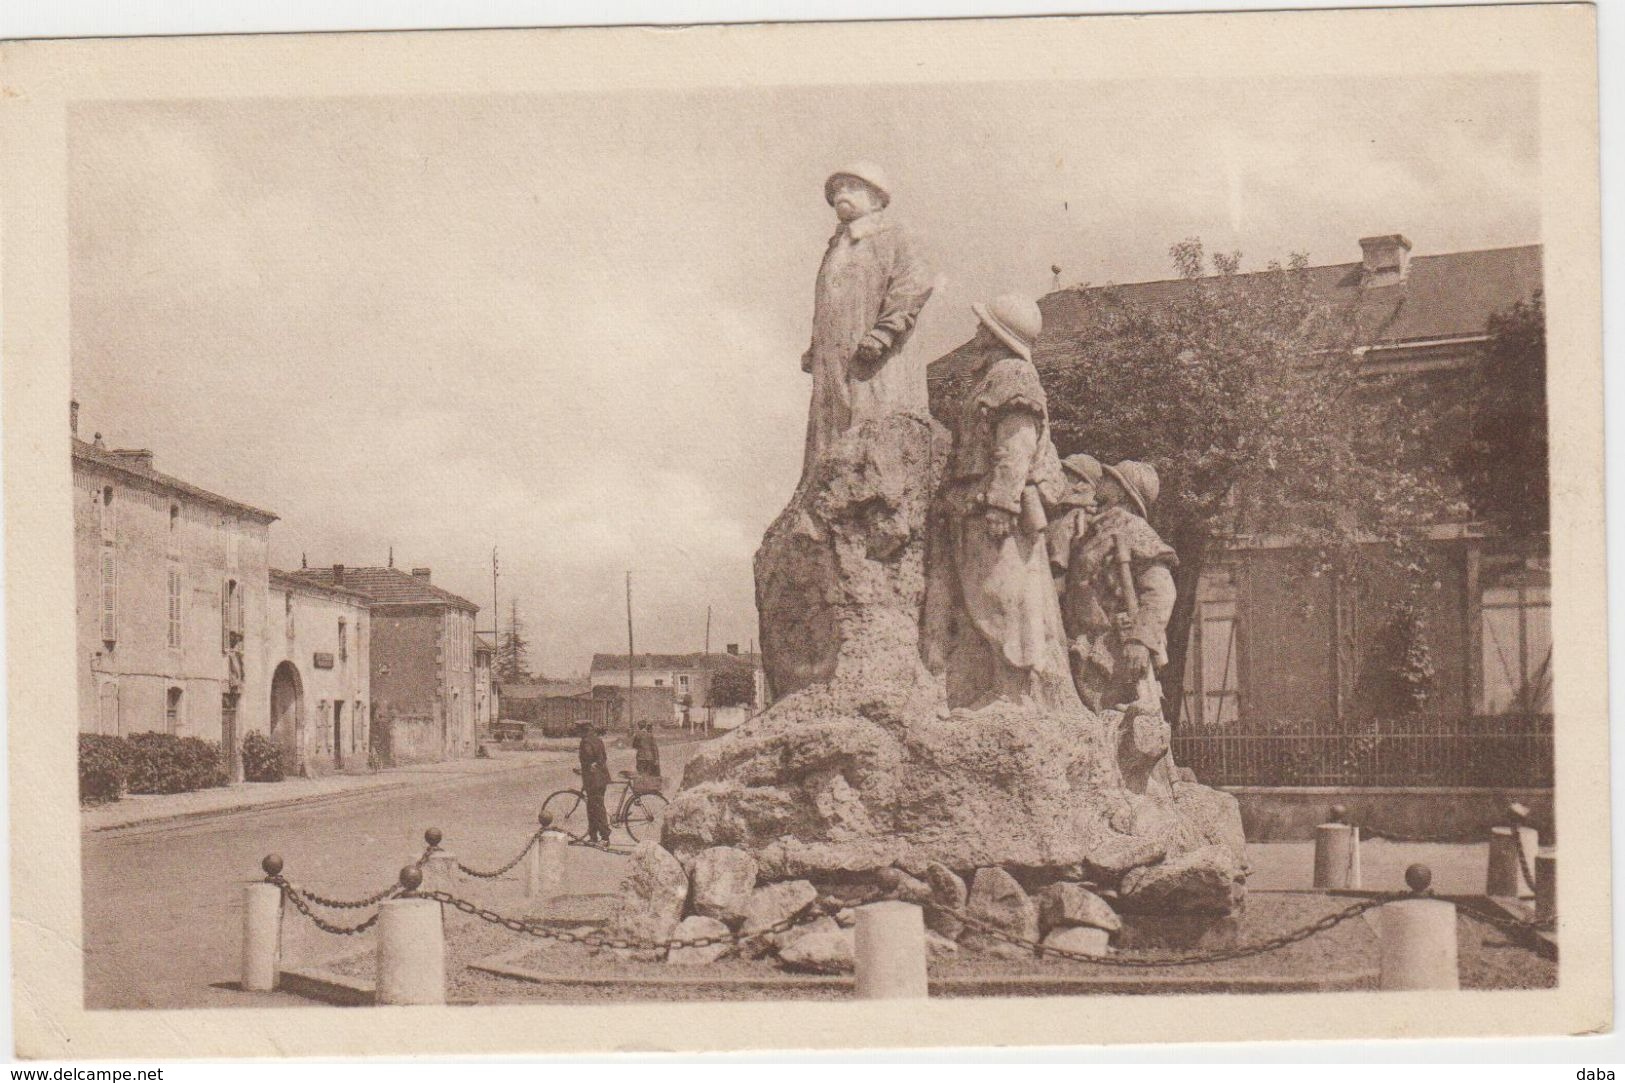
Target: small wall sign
(323, 660)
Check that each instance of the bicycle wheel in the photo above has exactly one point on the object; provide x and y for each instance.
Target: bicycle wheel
(569, 811)
(643, 815)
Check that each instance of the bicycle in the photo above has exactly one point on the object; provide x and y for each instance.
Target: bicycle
(638, 807)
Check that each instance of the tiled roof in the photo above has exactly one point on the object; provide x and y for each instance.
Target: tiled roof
(699, 660)
(280, 578)
(1451, 295)
(388, 586)
(136, 465)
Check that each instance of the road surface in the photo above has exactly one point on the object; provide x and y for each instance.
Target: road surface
(163, 904)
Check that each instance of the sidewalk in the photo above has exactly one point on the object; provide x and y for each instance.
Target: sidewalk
(135, 809)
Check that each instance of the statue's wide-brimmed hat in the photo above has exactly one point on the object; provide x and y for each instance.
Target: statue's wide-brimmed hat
(1085, 467)
(1016, 321)
(1139, 481)
(867, 172)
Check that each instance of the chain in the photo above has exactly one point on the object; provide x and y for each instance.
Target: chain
(356, 904)
(1330, 921)
(293, 894)
(1507, 922)
(504, 870)
(601, 940)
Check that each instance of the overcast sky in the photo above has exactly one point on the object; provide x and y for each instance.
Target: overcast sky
(570, 326)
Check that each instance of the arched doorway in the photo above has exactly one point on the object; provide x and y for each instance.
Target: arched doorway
(288, 715)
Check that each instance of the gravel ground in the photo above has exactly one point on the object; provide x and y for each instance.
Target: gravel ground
(1488, 960)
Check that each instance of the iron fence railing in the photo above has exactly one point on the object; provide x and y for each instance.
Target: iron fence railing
(1497, 752)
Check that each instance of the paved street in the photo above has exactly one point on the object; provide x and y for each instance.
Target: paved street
(162, 904)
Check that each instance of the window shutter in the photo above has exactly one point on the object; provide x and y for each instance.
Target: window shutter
(225, 616)
(109, 596)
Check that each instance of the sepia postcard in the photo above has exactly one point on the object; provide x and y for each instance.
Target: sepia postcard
(1035, 531)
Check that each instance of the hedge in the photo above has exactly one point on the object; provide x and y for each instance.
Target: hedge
(165, 763)
(110, 767)
(102, 771)
(262, 760)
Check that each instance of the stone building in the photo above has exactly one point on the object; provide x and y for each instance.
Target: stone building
(171, 584)
(687, 675)
(319, 642)
(422, 659)
(1275, 656)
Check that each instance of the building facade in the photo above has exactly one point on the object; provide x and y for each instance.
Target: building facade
(422, 660)
(319, 642)
(689, 676)
(1278, 659)
(171, 595)
(485, 689)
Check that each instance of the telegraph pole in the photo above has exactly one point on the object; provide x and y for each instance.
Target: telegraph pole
(496, 614)
(631, 656)
(707, 629)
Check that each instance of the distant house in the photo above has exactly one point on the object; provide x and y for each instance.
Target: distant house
(1274, 657)
(170, 596)
(422, 659)
(553, 706)
(688, 676)
(319, 640)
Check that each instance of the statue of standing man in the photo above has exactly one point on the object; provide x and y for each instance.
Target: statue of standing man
(871, 288)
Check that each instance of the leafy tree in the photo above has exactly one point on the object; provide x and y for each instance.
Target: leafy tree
(1244, 393)
(733, 687)
(513, 651)
(1503, 464)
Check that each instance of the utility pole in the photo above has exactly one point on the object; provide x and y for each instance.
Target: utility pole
(496, 613)
(707, 629)
(631, 656)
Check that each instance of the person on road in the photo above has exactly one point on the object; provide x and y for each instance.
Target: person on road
(594, 781)
(647, 749)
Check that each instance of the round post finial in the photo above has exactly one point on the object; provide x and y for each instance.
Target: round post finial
(272, 865)
(411, 877)
(433, 836)
(1517, 814)
(545, 818)
(1340, 814)
(1419, 878)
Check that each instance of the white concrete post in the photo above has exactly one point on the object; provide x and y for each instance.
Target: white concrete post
(890, 950)
(1337, 856)
(1546, 885)
(546, 880)
(411, 953)
(1418, 945)
(440, 872)
(1503, 875)
(262, 936)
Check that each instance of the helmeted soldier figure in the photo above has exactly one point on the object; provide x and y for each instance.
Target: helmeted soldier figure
(1007, 638)
(1070, 517)
(871, 287)
(1118, 593)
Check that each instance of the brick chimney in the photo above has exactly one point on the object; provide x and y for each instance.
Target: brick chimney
(73, 416)
(338, 575)
(421, 573)
(1386, 260)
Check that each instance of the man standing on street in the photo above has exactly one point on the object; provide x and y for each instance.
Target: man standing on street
(594, 781)
(647, 749)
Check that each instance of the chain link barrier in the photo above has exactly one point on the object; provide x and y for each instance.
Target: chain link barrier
(300, 903)
(1220, 955)
(504, 870)
(602, 940)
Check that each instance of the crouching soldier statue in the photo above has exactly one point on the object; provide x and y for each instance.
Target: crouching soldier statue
(1117, 596)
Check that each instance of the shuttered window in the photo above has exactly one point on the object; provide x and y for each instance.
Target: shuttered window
(175, 608)
(109, 595)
